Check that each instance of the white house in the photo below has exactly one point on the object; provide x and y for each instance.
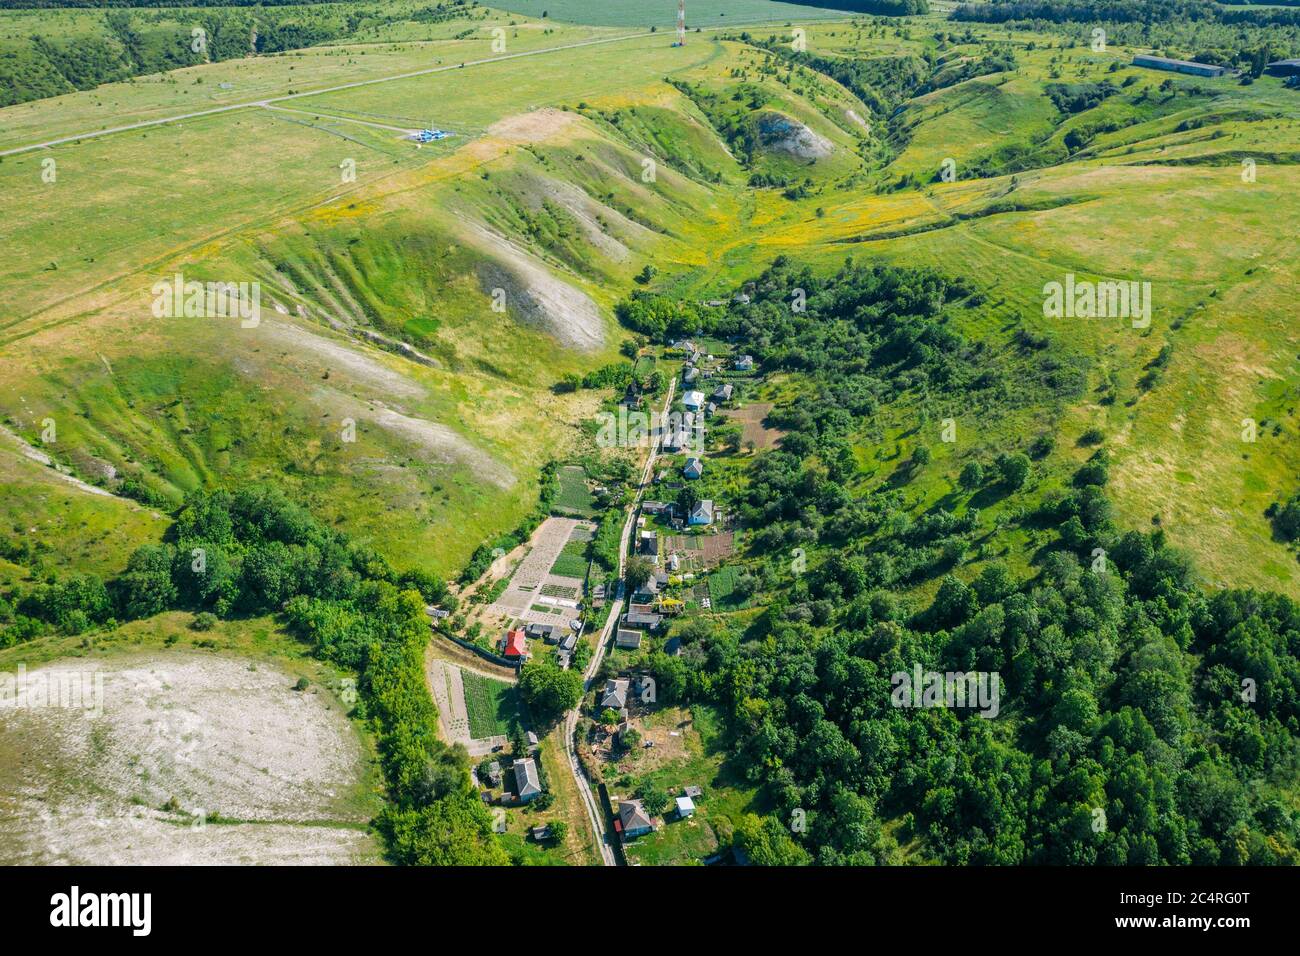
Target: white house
(685, 807)
(702, 513)
(693, 400)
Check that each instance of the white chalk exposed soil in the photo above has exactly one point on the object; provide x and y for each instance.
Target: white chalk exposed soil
(779, 133)
(353, 363)
(536, 296)
(183, 738)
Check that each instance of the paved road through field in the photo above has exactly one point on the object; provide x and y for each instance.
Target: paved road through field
(92, 134)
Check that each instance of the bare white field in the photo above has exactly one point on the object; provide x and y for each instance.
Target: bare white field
(183, 743)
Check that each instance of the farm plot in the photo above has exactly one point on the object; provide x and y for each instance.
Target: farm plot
(547, 587)
(574, 496)
(722, 590)
(473, 710)
(704, 550)
(491, 705)
(548, 541)
(572, 561)
(752, 428)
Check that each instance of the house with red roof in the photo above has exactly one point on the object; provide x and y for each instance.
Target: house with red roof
(516, 644)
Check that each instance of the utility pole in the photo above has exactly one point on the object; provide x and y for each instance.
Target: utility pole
(681, 22)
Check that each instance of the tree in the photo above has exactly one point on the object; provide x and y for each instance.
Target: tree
(146, 588)
(454, 831)
(1013, 470)
(654, 799)
(638, 572)
(954, 602)
(767, 843)
(548, 690)
(972, 476)
(559, 830)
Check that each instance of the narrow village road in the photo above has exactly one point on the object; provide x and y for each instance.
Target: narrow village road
(594, 811)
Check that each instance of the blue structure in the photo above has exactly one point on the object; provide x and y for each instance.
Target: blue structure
(430, 135)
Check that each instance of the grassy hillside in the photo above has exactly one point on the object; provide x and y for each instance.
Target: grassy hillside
(422, 321)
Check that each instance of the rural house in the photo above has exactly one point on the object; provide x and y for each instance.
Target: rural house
(745, 363)
(693, 400)
(550, 633)
(628, 640)
(515, 645)
(694, 468)
(615, 695)
(528, 785)
(702, 513)
(644, 620)
(632, 820)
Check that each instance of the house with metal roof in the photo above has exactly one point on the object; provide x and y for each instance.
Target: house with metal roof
(1283, 68)
(527, 784)
(702, 513)
(516, 644)
(633, 821)
(550, 633)
(615, 695)
(645, 620)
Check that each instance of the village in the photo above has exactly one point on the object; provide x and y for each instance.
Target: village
(548, 601)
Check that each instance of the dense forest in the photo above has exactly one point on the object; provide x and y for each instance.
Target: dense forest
(1122, 11)
(1141, 720)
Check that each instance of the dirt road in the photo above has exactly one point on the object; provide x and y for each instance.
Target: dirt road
(594, 811)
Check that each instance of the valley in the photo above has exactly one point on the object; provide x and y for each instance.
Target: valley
(871, 210)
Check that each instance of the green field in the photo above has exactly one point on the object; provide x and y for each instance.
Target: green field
(722, 586)
(574, 497)
(700, 13)
(491, 705)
